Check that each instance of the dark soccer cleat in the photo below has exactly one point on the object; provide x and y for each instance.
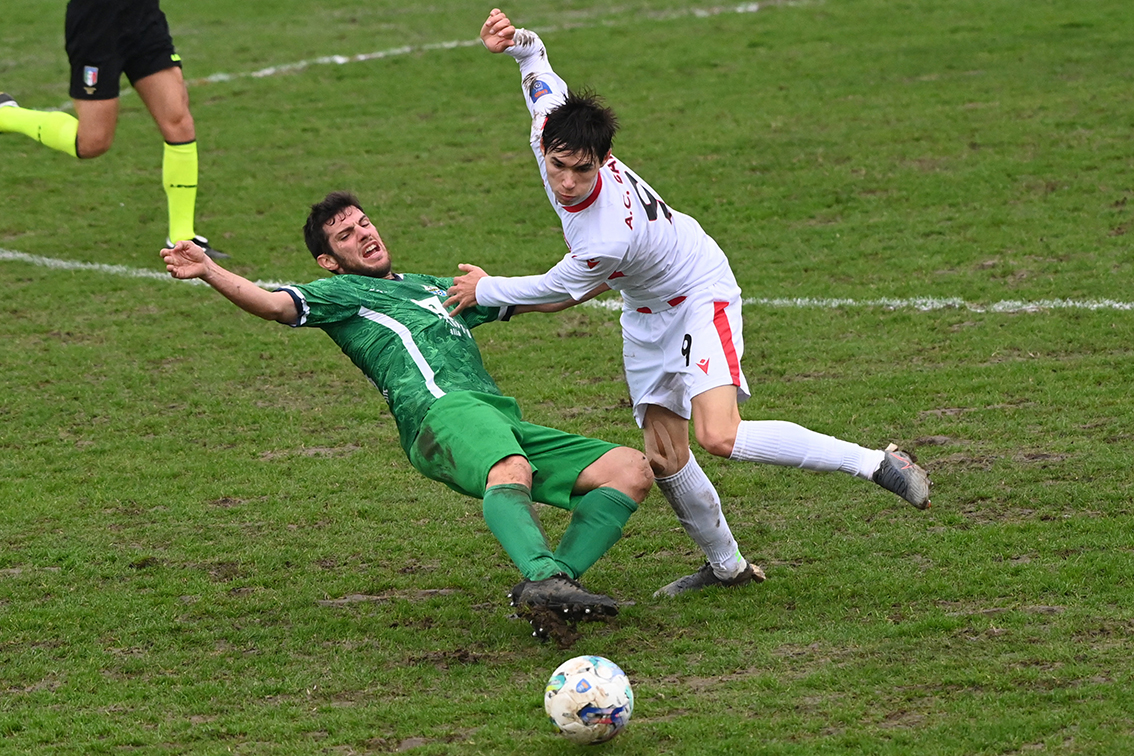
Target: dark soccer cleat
(7, 101)
(901, 474)
(203, 243)
(563, 596)
(705, 577)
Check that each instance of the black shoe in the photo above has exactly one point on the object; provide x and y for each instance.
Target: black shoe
(565, 597)
(705, 577)
(7, 101)
(203, 243)
(901, 474)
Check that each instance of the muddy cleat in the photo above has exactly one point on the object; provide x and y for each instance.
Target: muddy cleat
(563, 596)
(901, 474)
(705, 577)
(549, 625)
(7, 101)
(556, 605)
(203, 243)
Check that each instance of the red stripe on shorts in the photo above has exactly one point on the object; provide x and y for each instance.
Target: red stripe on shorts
(720, 320)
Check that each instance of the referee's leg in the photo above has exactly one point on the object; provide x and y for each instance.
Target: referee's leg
(167, 98)
(98, 120)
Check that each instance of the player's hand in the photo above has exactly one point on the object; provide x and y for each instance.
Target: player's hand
(497, 32)
(462, 294)
(185, 260)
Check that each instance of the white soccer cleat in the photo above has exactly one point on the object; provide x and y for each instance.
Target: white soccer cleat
(705, 577)
(901, 474)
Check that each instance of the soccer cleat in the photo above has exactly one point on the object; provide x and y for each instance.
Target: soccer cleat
(7, 101)
(705, 577)
(203, 243)
(563, 596)
(900, 474)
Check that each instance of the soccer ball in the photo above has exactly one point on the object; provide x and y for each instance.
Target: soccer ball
(589, 699)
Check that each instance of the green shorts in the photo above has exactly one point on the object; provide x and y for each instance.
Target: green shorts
(465, 433)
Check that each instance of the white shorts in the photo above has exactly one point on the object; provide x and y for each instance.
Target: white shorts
(672, 356)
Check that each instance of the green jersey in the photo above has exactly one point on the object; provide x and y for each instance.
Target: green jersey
(400, 336)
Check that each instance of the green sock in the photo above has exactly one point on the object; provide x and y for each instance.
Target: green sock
(179, 174)
(596, 525)
(55, 129)
(509, 514)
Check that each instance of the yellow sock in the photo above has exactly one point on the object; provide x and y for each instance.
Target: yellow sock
(179, 174)
(55, 129)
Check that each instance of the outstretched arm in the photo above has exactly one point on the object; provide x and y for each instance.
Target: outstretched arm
(560, 306)
(462, 294)
(186, 260)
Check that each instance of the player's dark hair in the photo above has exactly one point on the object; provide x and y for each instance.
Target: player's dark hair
(582, 124)
(314, 235)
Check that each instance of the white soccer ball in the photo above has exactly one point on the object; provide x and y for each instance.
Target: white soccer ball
(589, 699)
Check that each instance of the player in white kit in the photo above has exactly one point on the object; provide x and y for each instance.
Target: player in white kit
(681, 320)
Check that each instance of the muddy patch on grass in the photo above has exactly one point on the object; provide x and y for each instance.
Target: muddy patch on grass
(364, 598)
(938, 441)
(313, 451)
(444, 659)
(14, 571)
(956, 411)
(401, 745)
(709, 682)
(1044, 459)
(222, 572)
(1000, 512)
(945, 412)
(964, 462)
(898, 720)
(994, 611)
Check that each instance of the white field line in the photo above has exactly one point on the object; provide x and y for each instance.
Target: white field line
(921, 304)
(340, 60)
(110, 270)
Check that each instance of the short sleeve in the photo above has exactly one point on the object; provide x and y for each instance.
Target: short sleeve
(323, 302)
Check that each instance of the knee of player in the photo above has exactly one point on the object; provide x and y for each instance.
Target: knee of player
(514, 469)
(92, 147)
(179, 129)
(715, 441)
(635, 476)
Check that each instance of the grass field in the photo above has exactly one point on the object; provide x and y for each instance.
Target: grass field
(210, 541)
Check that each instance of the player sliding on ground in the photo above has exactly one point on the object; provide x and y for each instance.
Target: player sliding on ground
(681, 321)
(455, 425)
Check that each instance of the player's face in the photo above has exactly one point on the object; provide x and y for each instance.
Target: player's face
(572, 175)
(356, 246)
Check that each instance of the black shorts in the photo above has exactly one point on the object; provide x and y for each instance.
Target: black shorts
(108, 38)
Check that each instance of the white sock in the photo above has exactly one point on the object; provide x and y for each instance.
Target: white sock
(775, 442)
(698, 508)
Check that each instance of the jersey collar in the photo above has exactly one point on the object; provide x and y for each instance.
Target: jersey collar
(590, 200)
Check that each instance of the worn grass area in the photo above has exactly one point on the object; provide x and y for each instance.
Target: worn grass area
(212, 542)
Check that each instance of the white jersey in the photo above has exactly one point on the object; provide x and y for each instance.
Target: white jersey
(623, 234)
